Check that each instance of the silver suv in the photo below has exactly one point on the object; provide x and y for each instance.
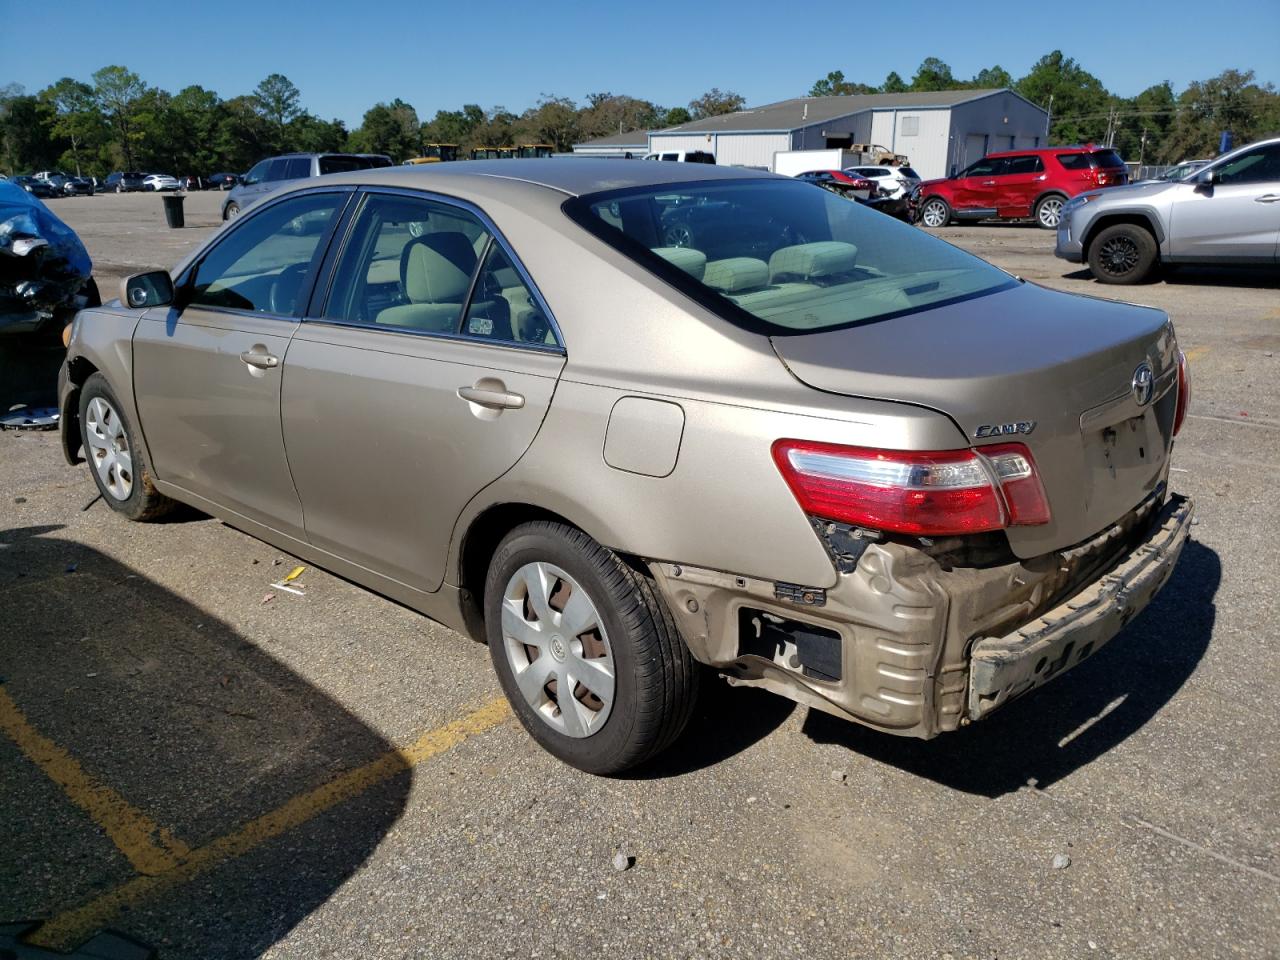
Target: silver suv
(1226, 213)
(273, 173)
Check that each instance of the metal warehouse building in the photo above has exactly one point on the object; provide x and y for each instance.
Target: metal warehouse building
(940, 132)
(620, 145)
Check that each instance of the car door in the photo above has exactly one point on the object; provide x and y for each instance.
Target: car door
(422, 377)
(207, 370)
(976, 186)
(1018, 185)
(254, 185)
(1237, 217)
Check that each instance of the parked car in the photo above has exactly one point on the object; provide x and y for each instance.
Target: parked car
(161, 182)
(190, 182)
(837, 181)
(1019, 183)
(1226, 213)
(124, 182)
(78, 186)
(221, 181)
(895, 181)
(45, 272)
(271, 174)
(37, 188)
(1181, 171)
(683, 156)
(655, 456)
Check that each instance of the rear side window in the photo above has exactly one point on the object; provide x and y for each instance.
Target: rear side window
(1025, 165)
(343, 163)
(1106, 159)
(296, 168)
(1074, 161)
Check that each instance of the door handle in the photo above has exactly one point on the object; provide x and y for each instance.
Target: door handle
(988, 183)
(260, 359)
(491, 398)
(1268, 198)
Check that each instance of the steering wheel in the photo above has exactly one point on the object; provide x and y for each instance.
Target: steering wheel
(283, 297)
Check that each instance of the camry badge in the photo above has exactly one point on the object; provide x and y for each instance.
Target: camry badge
(1142, 384)
(1004, 429)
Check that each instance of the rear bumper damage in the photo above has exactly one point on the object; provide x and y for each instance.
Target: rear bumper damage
(911, 645)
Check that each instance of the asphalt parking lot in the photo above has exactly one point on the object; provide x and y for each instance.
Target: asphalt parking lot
(215, 767)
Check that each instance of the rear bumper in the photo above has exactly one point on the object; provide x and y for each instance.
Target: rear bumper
(907, 647)
(1002, 668)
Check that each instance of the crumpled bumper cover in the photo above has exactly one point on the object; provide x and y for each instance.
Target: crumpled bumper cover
(1002, 668)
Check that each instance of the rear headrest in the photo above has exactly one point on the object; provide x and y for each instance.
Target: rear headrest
(437, 267)
(692, 262)
(736, 274)
(812, 261)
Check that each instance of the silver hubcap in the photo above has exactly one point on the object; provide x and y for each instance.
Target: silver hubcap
(1051, 212)
(935, 214)
(109, 448)
(556, 644)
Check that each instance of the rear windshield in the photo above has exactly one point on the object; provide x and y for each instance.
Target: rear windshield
(782, 258)
(907, 171)
(1085, 161)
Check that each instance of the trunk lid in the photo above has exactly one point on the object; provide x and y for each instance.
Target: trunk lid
(1026, 355)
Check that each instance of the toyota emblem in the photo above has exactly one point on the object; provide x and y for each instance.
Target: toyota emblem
(1142, 384)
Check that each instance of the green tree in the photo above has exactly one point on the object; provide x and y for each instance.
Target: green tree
(715, 102)
(992, 78)
(607, 113)
(309, 133)
(553, 120)
(893, 83)
(674, 117)
(1230, 101)
(835, 85)
(277, 101)
(244, 137)
(119, 93)
(1081, 105)
(26, 132)
(390, 128)
(933, 74)
(78, 121)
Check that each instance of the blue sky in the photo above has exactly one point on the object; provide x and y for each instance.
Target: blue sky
(346, 56)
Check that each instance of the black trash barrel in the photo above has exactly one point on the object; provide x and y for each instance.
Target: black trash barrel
(173, 210)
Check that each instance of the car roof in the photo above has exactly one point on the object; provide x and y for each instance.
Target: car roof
(1050, 150)
(574, 176)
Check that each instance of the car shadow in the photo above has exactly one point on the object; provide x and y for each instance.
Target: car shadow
(186, 731)
(1055, 730)
(725, 721)
(1249, 278)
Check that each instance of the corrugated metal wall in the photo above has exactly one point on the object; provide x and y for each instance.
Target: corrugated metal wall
(927, 147)
(1008, 122)
(730, 149)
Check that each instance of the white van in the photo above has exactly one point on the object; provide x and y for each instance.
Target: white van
(683, 156)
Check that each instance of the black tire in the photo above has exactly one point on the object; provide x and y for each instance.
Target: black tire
(942, 216)
(1048, 211)
(1124, 253)
(656, 678)
(144, 502)
(231, 211)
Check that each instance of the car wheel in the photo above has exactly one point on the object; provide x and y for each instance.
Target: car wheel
(585, 649)
(1049, 211)
(936, 212)
(677, 235)
(231, 211)
(1124, 253)
(118, 464)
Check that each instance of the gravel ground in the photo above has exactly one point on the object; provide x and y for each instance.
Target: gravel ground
(1130, 809)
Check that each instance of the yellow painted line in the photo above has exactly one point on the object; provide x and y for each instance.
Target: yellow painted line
(74, 926)
(1195, 353)
(150, 848)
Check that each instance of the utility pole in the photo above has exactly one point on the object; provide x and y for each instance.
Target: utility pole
(1048, 122)
(1142, 147)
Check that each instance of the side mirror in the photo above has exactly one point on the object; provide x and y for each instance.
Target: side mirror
(1205, 178)
(154, 289)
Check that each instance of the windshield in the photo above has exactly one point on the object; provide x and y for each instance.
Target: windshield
(781, 257)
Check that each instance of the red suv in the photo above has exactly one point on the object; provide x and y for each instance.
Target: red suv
(1018, 184)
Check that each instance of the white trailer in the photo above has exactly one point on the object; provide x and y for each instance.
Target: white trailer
(793, 162)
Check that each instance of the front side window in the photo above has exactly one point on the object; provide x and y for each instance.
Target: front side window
(987, 167)
(1261, 165)
(776, 257)
(262, 266)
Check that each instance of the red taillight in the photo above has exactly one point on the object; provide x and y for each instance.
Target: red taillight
(1184, 393)
(938, 493)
